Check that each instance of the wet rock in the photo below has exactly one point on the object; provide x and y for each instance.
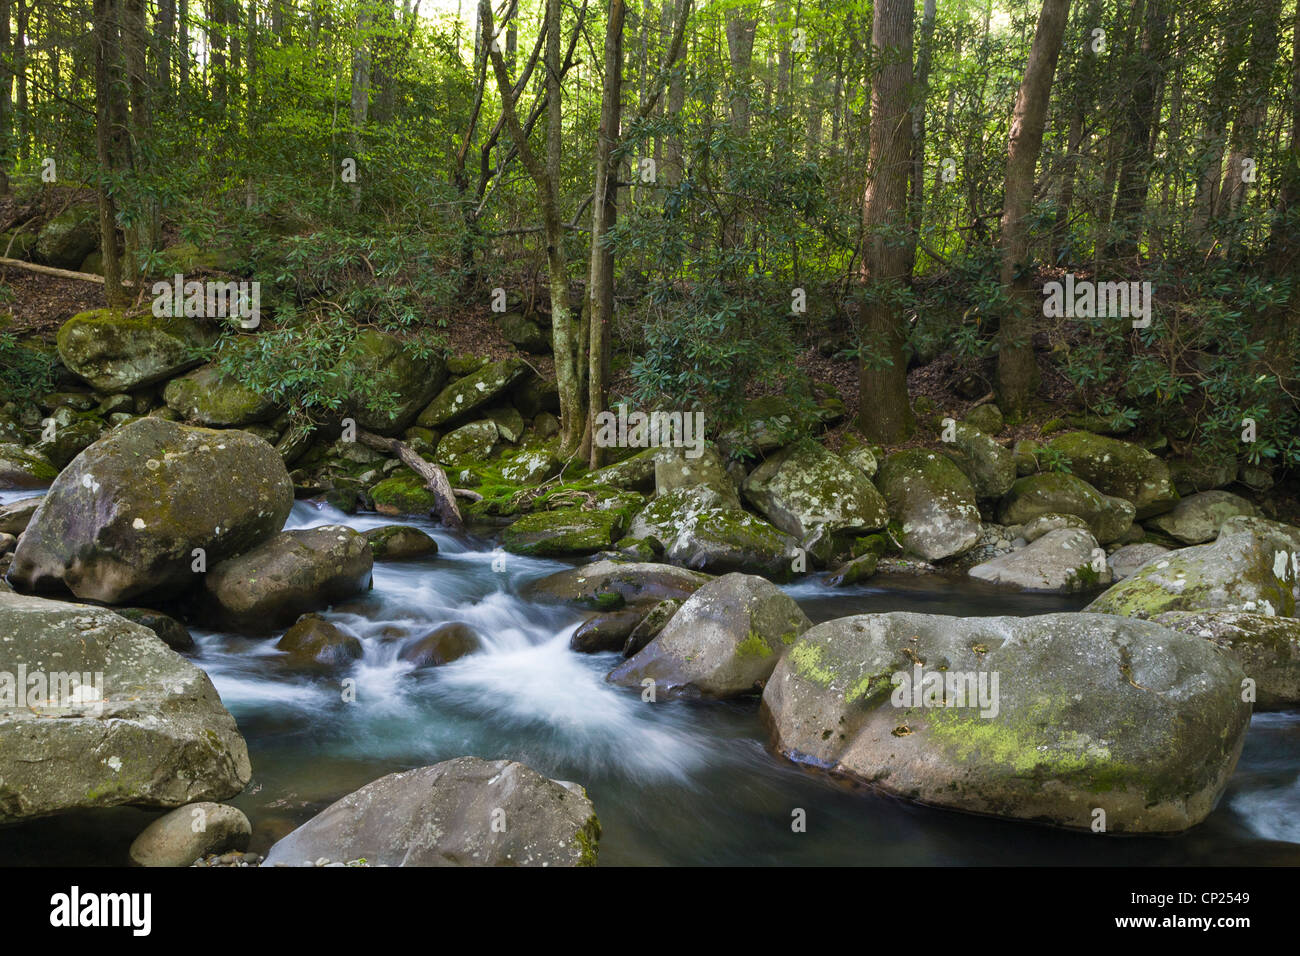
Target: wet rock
(314, 640)
(393, 542)
(190, 832)
(606, 585)
(167, 629)
(607, 631)
(444, 644)
(650, 626)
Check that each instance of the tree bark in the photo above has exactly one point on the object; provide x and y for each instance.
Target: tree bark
(884, 412)
(111, 143)
(920, 93)
(1017, 368)
(435, 479)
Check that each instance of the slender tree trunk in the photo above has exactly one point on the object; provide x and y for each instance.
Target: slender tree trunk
(110, 137)
(920, 93)
(360, 100)
(884, 412)
(741, 27)
(20, 69)
(6, 98)
(1017, 368)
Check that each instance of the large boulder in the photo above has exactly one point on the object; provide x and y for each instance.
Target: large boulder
(190, 833)
(814, 495)
(1048, 718)
(1268, 649)
(95, 711)
(721, 540)
(288, 575)
(126, 516)
(611, 584)
(665, 514)
(468, 445)
(116, 352)
(990, 467)
(1117, 468)
(65, 240)
(461, 812)
(931, 502)
(1251, 567)
(394, 542)
(724, 641)
(1108, 517)
(314, 640)
(1064, 561)
(208, 397)
(471, 392)
(1198, 518)
(564, 531)
(381, 364)
(674, 469)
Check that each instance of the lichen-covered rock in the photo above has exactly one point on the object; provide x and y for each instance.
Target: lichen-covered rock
(722, 540)
(68, 437)
(139, 725)
(23, 468)
(189, 833)
(382, 364)
(116, 352)
(931, 502)
(862, 457)
(1249, 567)
(288, 575)
(210, 398)
(1197, 518)
(564, 531)
(990, 467)
(1064, 561)
(611, 584)
(471, 392)
(445, 643)
(636, 473)
(461, 812)
(815, 496)
(468, 445)
(128, 515)
(531, 465)
(1126, 560)
(1108, 517)
(724, 641)
(1268, 649)
(1048, 718)
(1026, 455)
(1037, 527)
(1117, 468)
(509, 423)
(394, 542)
(673, 470)
(664, 516)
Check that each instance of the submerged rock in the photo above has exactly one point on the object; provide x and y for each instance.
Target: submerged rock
(151, 733)
(128, 515)
(1050, 718)
(724, 641)
(444, 644)
(461, 812)
(292, 573)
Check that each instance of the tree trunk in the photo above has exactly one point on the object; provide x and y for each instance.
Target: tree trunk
(360, 100)
(920, 93)
(884, 412)
(6, 102)
(1017, 368)
(110, 138)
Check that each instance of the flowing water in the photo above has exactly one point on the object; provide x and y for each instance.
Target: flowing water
(673, 782)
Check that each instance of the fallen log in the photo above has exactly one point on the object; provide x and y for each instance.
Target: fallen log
(435, 479)
(51, 271)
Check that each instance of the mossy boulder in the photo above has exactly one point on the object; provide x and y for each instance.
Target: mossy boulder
(314, 640)
(208, 397)
(402, 494)
(1267, 648)
(153, 733)
(723, 540)
(446, 814)
(1089, 712)
(534, 395)
(931, 502)
(815, 496)
(665, 514)
(393, 542)
(468, 445)
(531, 465)
(676, 468)
(1118, 468)
(990, 467)
(1062, 561)
(471, 393)
(606, 585)
(509, 423)
(445, 643)
(636, 473)
(1026, 452)
(68, 436)
(1198, 518)
(523, 333)
(24, 468)
(382, 364)
(1108, 517)
(724, 641)
(854, 571)
(862, 456)
(134, 512)
(562, 532)
(1202, 470)
(1249, 567)
(291, 573)
(1035, 528)
(987, 418)
(116, 352)
(771, 421)
(65, 240)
